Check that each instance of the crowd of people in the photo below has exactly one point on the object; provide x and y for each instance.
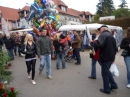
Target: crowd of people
(103, 50)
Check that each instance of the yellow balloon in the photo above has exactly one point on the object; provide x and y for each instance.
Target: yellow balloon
(38, 1)
(57, 17)
(42, 23)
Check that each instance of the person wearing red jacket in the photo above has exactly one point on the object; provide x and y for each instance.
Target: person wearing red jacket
(95, 57)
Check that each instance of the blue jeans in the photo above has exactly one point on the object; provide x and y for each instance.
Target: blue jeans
(82, 47)
(93, 69)
(62, 55)
(77, 53)
(46, 59)
(11, 54)
(127, 62)
(108, 80)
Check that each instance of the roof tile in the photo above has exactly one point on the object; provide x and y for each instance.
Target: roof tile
(9, 13)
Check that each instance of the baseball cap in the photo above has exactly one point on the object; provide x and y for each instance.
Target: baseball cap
(103, 26)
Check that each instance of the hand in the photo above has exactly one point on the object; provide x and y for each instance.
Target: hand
(90, 41)
(40, 57)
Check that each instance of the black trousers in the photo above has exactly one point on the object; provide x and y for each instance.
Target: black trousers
(108, 80)
(31, 66)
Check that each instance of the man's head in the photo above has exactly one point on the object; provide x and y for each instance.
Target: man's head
(98, 31)
(8, 36)
(24, 33)
(68, 33)
(103, 28)
(44, 32)
(75, 32)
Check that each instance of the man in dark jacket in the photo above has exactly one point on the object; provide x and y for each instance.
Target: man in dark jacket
(9, 43)
(44, 51)
(107, 45)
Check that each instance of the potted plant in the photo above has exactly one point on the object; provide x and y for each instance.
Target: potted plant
(5, 78)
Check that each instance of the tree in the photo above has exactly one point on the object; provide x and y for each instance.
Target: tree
(121, 13)
(123, 4)
(105, 7)
(96, 17)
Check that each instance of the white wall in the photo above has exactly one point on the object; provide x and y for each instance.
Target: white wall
(6, 25)
(67, 19)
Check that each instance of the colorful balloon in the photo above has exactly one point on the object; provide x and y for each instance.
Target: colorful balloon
(52, 17)
(57, 17)
(37, 24)
(58, 25)
(42, 23)
(31, 15)
(38, 1)
(44, 1)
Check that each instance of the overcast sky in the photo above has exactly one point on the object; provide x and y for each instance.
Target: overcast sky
(81, 5)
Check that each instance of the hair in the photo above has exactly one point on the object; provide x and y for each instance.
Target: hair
(55, 37)
(27, 37)
(128, 33)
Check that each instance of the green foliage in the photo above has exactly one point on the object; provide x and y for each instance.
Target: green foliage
(123, 4)
(122, 22)
(96, 17)
(4, 58)
(105, 7)
(121, 13)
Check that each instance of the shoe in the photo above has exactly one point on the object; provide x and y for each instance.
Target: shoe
(29, 76)
(77, 64)
(103, 91)
(113, 88)
(92, 77)
(40, 73)
(63, 67)
(33, 82)
(57, 68)
(128, 86)
(49, 77)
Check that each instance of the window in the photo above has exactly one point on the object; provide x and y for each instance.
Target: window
(63, 8)
(83, 16)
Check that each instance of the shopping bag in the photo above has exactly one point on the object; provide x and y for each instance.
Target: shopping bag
(114, 70)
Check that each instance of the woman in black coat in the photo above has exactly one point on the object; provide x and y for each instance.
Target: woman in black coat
(29, 49)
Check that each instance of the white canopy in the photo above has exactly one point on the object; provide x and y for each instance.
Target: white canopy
(84, 26)
(22, 30)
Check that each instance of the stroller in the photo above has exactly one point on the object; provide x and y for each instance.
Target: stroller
(69, 55)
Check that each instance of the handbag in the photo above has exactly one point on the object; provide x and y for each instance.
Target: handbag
(114, 70)
(91, 54)
(124, 53)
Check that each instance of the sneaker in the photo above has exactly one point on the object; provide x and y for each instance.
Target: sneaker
(128, 86)
(33, 82)
(40, 73)
(29, 76)
(49, 77)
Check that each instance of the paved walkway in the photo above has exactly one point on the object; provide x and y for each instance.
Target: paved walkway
(70, 82)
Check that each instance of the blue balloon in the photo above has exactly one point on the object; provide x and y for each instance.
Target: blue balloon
(31, 15)
(44, 1)
(36, 5)
(52, 17)
(58, 25)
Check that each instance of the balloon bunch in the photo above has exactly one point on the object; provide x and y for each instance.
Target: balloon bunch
(43, 13)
